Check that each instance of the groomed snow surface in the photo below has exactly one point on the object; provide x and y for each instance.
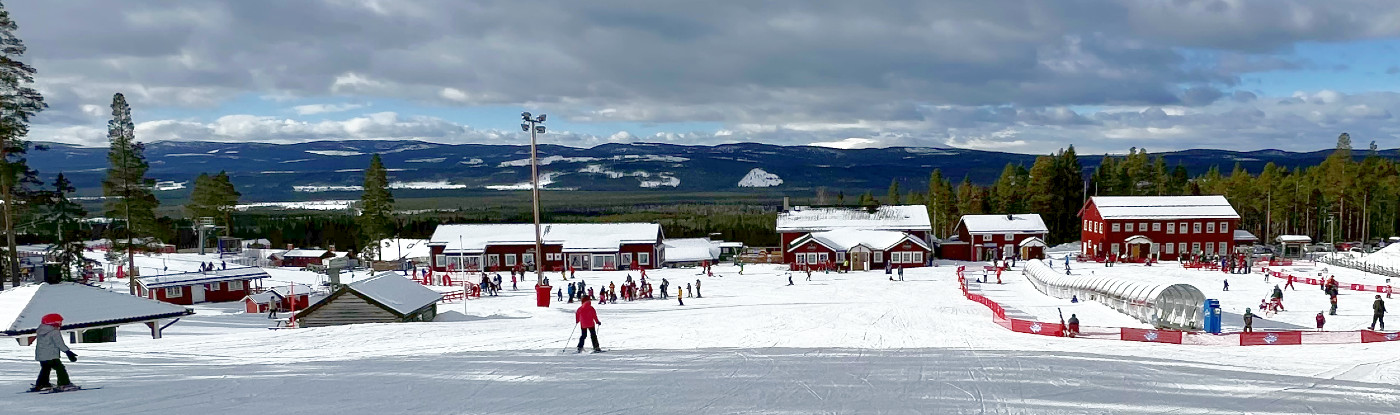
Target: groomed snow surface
(840, 343)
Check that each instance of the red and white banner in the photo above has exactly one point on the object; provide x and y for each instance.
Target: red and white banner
(1271, 338)
(1151, 336)
(1368, 336)
(1036, 327)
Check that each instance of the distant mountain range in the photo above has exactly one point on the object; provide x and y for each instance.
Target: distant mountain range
(334, 169)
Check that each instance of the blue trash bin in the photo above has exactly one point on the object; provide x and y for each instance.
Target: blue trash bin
(1212, 316)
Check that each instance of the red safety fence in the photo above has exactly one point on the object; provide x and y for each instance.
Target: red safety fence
(1382, 289)
(1271, 338)
(1013, 324)
(1151, 336)
(1368, 336)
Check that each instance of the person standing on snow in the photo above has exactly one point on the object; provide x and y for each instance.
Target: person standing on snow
(1378, 313)
(587, 319)
(48, 342)
(1320, 321)
(901, 273)
(1334, 304)
(1227, 286)
(697, 288)
(680, 299)
(571, 293)
(1248, 321)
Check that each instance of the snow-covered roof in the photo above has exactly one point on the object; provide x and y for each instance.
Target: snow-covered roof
(1295, 239)
(574, 237)
(691, 250)
(22, 308)
(845, 239)
(396, 292)
(192, 278)
(995, 224)
(1244, 235)
(397, 249)
(724, 244)
(1164, 207)
(305, 253)
(896, 218)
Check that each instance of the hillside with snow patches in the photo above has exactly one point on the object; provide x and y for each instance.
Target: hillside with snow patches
(338, 166)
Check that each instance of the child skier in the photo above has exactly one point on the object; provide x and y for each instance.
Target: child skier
(1248, 321)
(1073, 325)
(1320, 321)
(48, 342)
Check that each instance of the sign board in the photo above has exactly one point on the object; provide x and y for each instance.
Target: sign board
(338, 262)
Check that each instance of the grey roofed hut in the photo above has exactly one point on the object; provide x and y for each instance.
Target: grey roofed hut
(84, 308)
(384, 298)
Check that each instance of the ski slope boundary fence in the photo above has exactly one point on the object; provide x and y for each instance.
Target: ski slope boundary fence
(1173, 306)
(1379, 289)
(1258, 338)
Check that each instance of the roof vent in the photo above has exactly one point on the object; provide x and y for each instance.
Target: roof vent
(1010, 217)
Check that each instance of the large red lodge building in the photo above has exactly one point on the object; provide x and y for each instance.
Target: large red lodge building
(868, 238)
(1162, 227)
(583, 246)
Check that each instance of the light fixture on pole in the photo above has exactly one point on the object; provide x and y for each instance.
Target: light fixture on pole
(534, 126)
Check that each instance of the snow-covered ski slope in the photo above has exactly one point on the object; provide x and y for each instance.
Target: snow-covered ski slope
(841, 343)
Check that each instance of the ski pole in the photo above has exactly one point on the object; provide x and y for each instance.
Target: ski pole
(571, 337)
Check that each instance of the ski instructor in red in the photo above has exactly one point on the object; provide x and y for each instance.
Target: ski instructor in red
(587, 319)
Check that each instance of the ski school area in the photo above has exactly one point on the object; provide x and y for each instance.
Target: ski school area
(769, 340)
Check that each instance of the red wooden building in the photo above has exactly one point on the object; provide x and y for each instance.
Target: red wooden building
(892, 222)
(584, 246)
(288, 297)
(864, 249)
(1162, 227)
(198, 287)
(989, 237)
(303, 257)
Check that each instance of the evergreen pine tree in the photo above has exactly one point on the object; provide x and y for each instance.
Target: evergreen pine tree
(20, 102)
(892, 196)
(376, 206)
(66, 218)
(128, 191)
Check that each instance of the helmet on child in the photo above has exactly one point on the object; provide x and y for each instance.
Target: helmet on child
(52, 319)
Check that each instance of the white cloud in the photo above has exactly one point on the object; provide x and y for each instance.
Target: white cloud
(313, 109)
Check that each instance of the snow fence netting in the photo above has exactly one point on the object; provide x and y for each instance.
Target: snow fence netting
(1174, 306)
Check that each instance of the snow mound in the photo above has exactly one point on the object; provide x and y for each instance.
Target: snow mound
(170, 185)
(545, 161)
(472, 162)
(334, 153)
(546, 179)
(759, 178)
(307, 205)
(429, 160)
(326, 188)
(440, 184)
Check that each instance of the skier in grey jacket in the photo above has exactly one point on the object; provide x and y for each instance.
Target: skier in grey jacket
(48, 342)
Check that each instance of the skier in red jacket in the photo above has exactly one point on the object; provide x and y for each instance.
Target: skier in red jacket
(587, 319)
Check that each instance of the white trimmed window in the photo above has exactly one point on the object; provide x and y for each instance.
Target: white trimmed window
(822, 258)
(213, 286)
(1195, 227)
(1210, 227)
(1171, 248)
(644, 258)
(812, 258)
(880, 255)
(1156, 226)
(1171, 228)
(985, 238)
(627, 258)
(1195, 247)
(1182, 228)
(1210, 247)
(1181, 248)
(173, 292)
(1224, 227)
(918, 257)
(510, 260)
(1010, 237)
(1117, 228)
(493, 260)
(527, 258)
(235, 285)
(1113, 249)
(1128, 227)
(1142, 227)
(440, 260)
(840, 257)
(801, 258)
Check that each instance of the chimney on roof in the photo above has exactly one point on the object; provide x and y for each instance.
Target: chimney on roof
(289, 247)
(787, 203)
(1010, 217)
(332, 248)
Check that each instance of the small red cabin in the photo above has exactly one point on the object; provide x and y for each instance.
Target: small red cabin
(288, 297)
(989, 237)
(582, 246)
(216, 286)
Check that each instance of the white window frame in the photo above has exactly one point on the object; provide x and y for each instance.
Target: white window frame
(213, 286)
(440, 260)
(1156, 226)
(1210, 248)
(1170, 248)
(880, 255)
(1171, 228)
(1195, 247)
(1181, 248)
(1128, 227)
(801, 258)
(840, 257)
(1223, 227)
(918, 257)
(822, 258)
(1142, 226)
(1113, 249)
(626, 259)
(812, 258)
(493, 260)
(1195, 227)
(644, 258)
(527, 258)
(1010, 237)
(987, 238)
(510, 260)
(1117, 227)
(1210, 227)
(174, 292)
(235, 285)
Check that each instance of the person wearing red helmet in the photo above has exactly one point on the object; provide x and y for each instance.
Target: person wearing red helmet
(48, 342)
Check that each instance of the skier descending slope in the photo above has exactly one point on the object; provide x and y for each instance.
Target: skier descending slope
(48, 341)
(587, 319)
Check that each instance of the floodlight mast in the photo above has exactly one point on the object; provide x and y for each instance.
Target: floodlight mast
(533, 125)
